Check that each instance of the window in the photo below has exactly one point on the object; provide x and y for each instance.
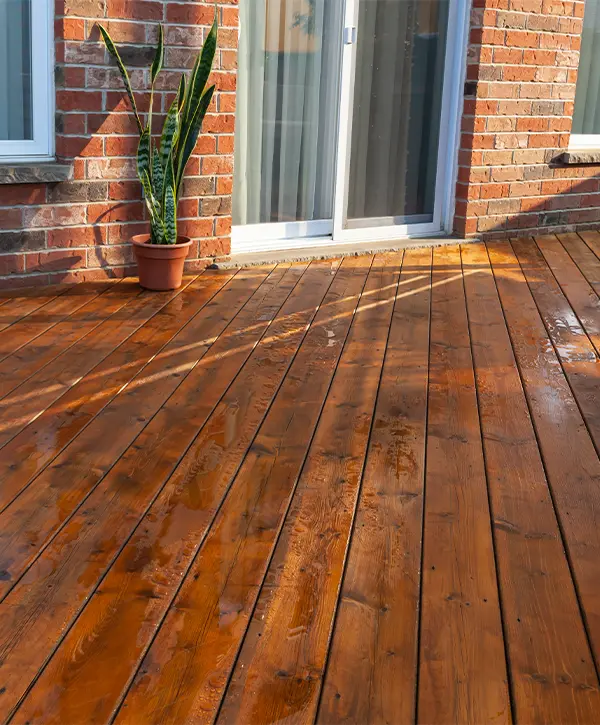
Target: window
(586, 118)
(25, 80)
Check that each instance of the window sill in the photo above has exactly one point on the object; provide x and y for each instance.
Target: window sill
(48, 172)
(580, 156)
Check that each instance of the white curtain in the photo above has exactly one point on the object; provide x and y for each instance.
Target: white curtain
(397, 103)
(586, 118)
(287, 101)
(15, 70)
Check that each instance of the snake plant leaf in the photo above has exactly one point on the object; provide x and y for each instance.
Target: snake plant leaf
(158, 174)
(188, 142)
(157, 229)
(170, 133)
(159, 58)
(143, 154)
(149, 197)
(200, 74)
(169, 179)
(112, 49)
(170, 216)
(181, 92)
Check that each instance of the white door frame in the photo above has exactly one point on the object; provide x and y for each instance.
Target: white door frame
(301, 235)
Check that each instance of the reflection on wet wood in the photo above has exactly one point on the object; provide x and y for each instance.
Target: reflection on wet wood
(462, 675)
(271, 497)
(545, 636)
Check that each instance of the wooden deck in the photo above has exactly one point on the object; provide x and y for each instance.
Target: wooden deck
(364, 490)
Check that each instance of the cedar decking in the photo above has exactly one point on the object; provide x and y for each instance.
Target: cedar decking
(361, 491)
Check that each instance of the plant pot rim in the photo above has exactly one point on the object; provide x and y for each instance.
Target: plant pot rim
(143, 240)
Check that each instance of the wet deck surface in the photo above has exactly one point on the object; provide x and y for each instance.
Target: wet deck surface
(364, 490)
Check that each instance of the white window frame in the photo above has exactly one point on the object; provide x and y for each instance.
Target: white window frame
(584, 141)
(41, 147)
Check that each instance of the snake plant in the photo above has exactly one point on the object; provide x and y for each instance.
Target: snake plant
(161, 163)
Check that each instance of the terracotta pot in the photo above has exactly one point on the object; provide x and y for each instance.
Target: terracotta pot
(160, 266)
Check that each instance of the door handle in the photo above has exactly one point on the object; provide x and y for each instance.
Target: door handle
(350, 36)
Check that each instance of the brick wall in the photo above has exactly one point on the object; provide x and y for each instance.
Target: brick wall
(79, 229)
(521, 74)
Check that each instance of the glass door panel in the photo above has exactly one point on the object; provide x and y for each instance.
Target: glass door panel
(398, 83)
(287, 115)
(16, 122)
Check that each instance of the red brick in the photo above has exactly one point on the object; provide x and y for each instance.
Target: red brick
(72, 146)
(105, 213)
(12, 194)
(522, 39)
(63, 259)
(69, 28)
(78, 100)
(189, 14)
(11, 219)
(12, 264)
(76, 236)
(138, 10)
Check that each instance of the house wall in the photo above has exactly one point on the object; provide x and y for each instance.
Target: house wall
(521, 76)
(79, 229)
(522, 63)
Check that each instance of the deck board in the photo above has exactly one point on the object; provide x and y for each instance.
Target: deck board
(362, 491)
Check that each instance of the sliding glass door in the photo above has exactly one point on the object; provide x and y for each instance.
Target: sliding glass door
(345, 116)
(287, 117)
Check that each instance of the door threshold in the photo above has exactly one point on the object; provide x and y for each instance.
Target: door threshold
(250, 259)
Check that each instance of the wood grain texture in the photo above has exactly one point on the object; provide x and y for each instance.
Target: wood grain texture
(44, 439)
(25, 302)
(462, 674)
(183, 676)
(592, 239)
(29, 400)
(217, 511)
(571, 463)
(371, 673)
(49, 315)
(96, 533)
(281, 664)
(33, 518)
(106, 627)
(574, 348)
(580, 295)
(46, 347)
(552, 671)
(583, 257)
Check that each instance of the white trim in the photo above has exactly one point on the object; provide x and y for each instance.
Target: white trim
(42, 87)
(456, 58)
(281, 230)
(580, 141)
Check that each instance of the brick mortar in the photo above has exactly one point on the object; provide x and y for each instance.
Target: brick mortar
(70, 229)
(518, 121)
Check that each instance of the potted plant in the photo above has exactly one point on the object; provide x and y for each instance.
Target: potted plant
(161, 162)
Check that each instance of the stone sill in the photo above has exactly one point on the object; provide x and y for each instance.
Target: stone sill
(581, 156)
(43, 172)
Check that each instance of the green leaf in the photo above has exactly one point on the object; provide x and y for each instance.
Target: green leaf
(200, 74)
(158, 174)
(143, 154)
(112, 49)
(181, 92)
(170, 216)
(157, 232)
(149, 198)
(169, 179)
(188, 142)
(170, 133)
(160, 55)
